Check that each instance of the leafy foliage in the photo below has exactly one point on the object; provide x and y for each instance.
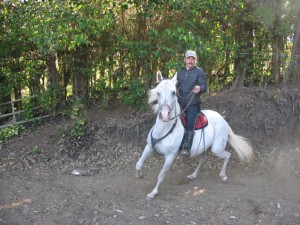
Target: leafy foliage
(133, 93)
(10, 132)
(78, 129)
(113, 49)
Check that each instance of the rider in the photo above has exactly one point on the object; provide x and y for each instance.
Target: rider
(191, 82)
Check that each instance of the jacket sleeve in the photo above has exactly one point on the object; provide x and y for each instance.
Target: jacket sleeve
(202, 81)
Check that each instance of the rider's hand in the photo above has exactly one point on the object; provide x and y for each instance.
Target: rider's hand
(196, 89)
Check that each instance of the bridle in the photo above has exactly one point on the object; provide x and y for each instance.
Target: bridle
(183, 111)
(155, 141)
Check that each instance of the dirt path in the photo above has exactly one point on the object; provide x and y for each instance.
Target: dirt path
(39, 196)
(37, 187)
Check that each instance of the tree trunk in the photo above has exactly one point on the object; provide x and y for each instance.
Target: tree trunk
(227, 65)
(277, 49)
(80, 78)
(243, 64)
(17, 86)
(53, 73)
(240, 71)
(54, 83)
(142, 33)
(64, 64)
(294, 67)
(4, 97)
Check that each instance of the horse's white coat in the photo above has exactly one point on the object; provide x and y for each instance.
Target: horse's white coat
(216, 135)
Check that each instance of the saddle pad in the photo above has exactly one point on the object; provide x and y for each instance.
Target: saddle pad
(201, 121)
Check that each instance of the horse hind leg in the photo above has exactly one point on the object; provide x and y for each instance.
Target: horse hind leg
(225, 156)
(220, 152)
(168, 163)
(199, 166)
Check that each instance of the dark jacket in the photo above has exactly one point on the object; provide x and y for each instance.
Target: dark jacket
(186, 81)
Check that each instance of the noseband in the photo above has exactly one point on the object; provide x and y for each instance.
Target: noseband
(153, 140)
(168, 107)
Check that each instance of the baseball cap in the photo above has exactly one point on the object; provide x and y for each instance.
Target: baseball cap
(190, 53)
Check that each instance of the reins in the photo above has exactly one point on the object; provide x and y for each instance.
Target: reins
(202, 133)
(155, 141)
(193, 94)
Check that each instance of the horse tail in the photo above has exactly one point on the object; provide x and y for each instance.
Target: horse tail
(242, 147)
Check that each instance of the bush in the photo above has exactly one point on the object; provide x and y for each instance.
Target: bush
(133, 92)
(10, 132)
(78, 129)
(102, 92)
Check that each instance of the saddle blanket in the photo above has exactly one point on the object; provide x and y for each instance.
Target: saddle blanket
(201, 121)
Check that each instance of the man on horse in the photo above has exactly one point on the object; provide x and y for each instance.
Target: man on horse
(191, 83)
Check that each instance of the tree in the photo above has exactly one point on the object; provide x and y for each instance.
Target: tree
(277, 18)
(295, 55)
(111, 47)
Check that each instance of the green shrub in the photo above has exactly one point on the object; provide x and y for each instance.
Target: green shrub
(10, 132)
(133, 92)
(78, 129)
(102, 92)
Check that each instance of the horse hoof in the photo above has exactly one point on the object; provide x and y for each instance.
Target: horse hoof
(139, 174)
(191, 177)
(149, 197)
(152, 194)
(224, 178)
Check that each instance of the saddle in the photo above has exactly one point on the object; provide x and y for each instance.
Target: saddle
(201, 121)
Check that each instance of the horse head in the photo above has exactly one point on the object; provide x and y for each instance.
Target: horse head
(165, 95)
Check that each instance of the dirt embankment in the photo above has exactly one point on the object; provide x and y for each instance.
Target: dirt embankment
(37, 186)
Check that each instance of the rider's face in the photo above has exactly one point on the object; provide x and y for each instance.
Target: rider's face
(189, 62)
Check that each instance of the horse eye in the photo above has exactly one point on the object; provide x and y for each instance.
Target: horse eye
(173, 92)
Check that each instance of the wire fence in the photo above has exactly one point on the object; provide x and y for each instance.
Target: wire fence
(13, 113)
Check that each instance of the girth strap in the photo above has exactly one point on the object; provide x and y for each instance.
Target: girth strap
(155, 141)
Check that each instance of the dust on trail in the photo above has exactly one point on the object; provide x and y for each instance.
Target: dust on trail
(39, 188)
(36, 196)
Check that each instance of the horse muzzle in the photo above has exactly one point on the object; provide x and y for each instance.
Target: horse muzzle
(164, 113)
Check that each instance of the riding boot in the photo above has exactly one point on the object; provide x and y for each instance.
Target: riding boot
(186, 147)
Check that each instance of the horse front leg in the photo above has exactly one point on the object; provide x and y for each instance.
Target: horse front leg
(146, 153)
(168, 163)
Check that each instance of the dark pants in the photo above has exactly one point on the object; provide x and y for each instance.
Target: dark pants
(191, 113)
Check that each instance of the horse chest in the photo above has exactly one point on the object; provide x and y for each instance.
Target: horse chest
(168, 145)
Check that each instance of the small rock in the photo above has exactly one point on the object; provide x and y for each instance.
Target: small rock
(119, 210)
(81, 173)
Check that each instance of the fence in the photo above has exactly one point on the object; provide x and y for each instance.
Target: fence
(14, 114)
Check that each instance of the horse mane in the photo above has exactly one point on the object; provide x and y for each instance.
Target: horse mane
(152, 100)
(152, 94)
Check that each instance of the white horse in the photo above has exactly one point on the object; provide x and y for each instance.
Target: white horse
(167, 133)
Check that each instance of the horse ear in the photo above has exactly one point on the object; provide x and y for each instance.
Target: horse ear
(159, 77)
(174, 78)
